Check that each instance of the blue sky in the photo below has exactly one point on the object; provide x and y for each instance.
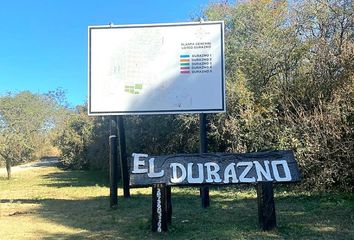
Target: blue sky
(43, 43)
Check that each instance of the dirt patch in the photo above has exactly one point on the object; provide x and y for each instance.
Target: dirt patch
(43, 162)
(19, 213)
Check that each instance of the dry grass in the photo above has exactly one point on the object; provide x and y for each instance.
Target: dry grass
(49, 203)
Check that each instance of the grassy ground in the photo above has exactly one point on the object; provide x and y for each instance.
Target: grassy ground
(49, 203)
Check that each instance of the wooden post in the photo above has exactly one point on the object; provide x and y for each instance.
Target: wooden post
(113, 163)
(203, 148)
(159, 208)
(169, 204)
(266, 206)
(123, 157)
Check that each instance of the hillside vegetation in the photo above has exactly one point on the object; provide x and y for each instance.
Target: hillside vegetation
(289, 83)
(289, 79)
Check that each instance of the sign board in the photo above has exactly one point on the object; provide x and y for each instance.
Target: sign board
(213, 168)
(156, 69)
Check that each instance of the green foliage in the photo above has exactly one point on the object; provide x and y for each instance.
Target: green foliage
(26, 121)
(74, 138)
(83, 140)
(98, 149)
(162, 134)
(290, 84)
(290, 81)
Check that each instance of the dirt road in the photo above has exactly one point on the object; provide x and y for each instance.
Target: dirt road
(44, 162)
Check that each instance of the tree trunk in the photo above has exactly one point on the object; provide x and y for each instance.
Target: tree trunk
(8, 169)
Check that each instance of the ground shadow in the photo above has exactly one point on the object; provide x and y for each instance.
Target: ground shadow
(232, 214)
(227, 217)
(76, 178)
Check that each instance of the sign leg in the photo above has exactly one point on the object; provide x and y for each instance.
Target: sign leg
(123, 157)
(159, 208)
(204, 194)
(169, 204)
(203, 148)
(113, 163)
(266, 206)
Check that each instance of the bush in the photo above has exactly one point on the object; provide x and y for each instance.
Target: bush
(290, 80)
(73, 140)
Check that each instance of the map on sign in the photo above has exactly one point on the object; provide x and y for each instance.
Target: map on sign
(154, 69)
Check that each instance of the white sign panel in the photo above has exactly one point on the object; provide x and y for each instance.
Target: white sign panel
(156, 69)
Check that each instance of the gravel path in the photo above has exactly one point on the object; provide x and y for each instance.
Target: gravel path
(44, 162)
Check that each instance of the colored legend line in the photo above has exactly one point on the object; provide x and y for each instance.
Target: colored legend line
(184, 62)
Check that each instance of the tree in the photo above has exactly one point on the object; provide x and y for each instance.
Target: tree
(25, 122)
(290, 72)
(74, 137)
(289, 82)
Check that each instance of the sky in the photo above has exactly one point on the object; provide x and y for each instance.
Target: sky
(43, 43)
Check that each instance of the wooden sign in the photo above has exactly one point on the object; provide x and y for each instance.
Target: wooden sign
(213, 168)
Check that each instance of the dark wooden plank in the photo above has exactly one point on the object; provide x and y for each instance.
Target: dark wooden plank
(169, 204)
(266, 206)
(203, 148)
(113, 163)
(214, 168)
(159, 208)
(123, 157)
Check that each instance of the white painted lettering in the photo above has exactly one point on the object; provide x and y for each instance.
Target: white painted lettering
(152, 172)
(138, 163)
(175, 178)
(230, 172)
(277, 177)
(190, 177)
(159, 211)
(212, 172)
(261, 171)
(243, 177)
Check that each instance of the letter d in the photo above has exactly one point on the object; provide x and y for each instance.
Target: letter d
(175, 178)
